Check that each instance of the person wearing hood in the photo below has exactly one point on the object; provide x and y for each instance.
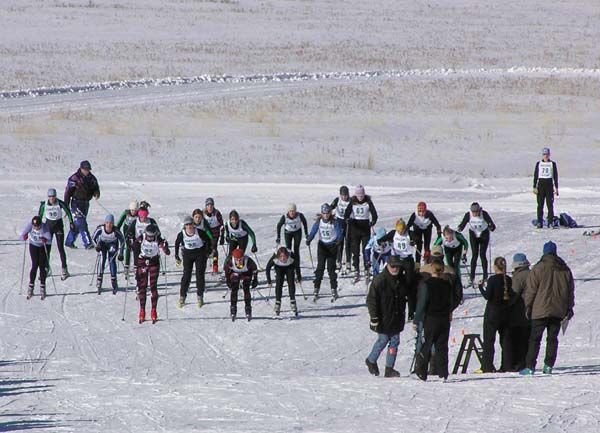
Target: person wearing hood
(376, 255)
(520, 326)
(549, 302)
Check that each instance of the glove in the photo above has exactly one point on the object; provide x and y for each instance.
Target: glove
(372, 223)
(492, 228)
(177, 262)
(374, 324)
(412, 243)
(277, 241)
(415, 327)
(222, 241)
(120, 258)
(98, 248)
(72, 226)
(270, 286)
(97, 195)
(556, 192)
(44, 241)
(570, 314)
(464, 258)
(254, 249)
(535, 191)
(25, 236)
(528, 313)
(254, 282)
(307, 242)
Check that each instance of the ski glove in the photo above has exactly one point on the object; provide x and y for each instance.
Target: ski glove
(528, 313)
(120, 258)
(535, 191)
(98, 248)
(44, 241)
(277, 241)
(254, 249)
(72, 226)
(570, 314)
(254, 282)
(25, 236)
(307, 242)
(177, 262)
(374, 324)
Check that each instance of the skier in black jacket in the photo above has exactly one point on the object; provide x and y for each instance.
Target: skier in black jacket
(360, 215)
(284, 262)
(386, 302)
(545, 185)
(293, 223)
(480, 225)
(422, 223)
(340, 204)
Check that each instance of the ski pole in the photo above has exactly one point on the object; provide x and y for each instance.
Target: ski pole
(95, 270)
(125, 298)
(102, 206)
(257, 262)
(311, 258)
(166, 289)
(50, 268)
(302, 290)
(23, 268)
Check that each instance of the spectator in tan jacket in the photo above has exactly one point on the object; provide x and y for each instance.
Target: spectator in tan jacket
(549, 299)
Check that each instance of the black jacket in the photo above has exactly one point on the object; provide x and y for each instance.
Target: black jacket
(486, 217)
(386, 302)
(436, 297)
(497, 308)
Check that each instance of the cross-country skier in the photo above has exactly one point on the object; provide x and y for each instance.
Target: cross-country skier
(361, 215)
(376, 255)
(240, 272)
(339, 204)
(148, 268)
(293, 223)
(199, 221)
(194, 244)
(81, 187)
(386, 302)
(284, 263)
(128, 216)
(422, 222)
(455, 249)
(545, 186)
(236, 233)
(215, 221)
(38, 236)
(136, 228)
(51, 212)
(110, 243)
(330, 234)
(480, 225)
(403, 247)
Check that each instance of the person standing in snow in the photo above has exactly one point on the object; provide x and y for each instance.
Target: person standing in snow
(236, 232)
(549, 302)
(339, 204)
(128, 216)
(240, 272)
(422, 222)
(194, 243)
(284, 263)
(199, 221)
(330, 235)
(81, 187)
(360, 215)
(520, 326)
(480, 225)
(215, 221)
(294, 222)
(545, 186)
(38, 236)
(386, 302)
(110, 243)
(51, 212)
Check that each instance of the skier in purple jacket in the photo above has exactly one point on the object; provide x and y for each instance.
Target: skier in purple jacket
(82, 186)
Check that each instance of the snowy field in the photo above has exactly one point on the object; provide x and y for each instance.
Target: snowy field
(446, 118)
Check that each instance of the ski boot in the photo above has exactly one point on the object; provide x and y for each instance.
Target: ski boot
(277, 307)
(90, 246)
(215, 267)
(316, 294)
(233, 312)
(181, 302)
(547, 369)
(65, 274)
(294, 307)
(142, 315)
(43, 292)
(115, 286)
(200, 302)
(30, 291)
(126, 271)
(153, 315)
(356, 277)
(99, 285)
(372, 366)
(390, 372)
(334, 294)
(248, 313)
(527, 372)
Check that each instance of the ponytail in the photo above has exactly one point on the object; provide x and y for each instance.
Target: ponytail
(500, 264)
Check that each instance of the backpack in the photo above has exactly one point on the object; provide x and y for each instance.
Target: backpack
(567, 221)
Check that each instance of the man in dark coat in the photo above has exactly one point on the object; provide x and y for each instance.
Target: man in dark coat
(81, 187)
(387, 302)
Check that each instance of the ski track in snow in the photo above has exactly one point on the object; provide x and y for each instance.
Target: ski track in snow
(86, 370)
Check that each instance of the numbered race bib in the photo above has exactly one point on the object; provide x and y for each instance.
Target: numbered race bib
(545, 170)
(238, 232)
(241, 270)
(192, 242)
(292, 225)
(454, 243)
(107, 237)
(212, 220)
(340, 210)
(140, 227)
(149, 249)
(422, 223)
(402, 246)
(53, 212)
(477, 225)
(327, 232)
(361, 211)
(35, 237)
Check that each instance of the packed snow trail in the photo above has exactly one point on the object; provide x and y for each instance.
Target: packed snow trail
(70, 364)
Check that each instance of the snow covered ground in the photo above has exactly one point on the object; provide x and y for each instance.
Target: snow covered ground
(415, 130)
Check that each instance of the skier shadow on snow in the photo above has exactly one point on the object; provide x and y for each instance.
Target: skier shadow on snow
(578, 370)
(30, 424)
(11, 388)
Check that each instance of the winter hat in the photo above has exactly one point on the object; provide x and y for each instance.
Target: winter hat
(394, 261)
(475, 207)
(379, 233)
(325, 208)
(519, 261)
(209, 201)
(237, 253)
(549, 248)
(134, 205)
(85, 165)
(188, 220)
(344, 190)
(143, 213)
(291, 207)
(546, 151)
(51, 192)
(144, 204)
(359, 191)
(151, 231)
(421, 207)
(110, 218)
(400, 225)
(437, 251)
(36, 221)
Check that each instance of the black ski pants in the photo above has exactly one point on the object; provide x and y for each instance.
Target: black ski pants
(283, 273)
(326, 256)
(437, 332)
(295, 238)
(422, 240)
(545, 194)
(359, 237)
(344, 242)
(479, 246)
(57, 229)
(496, 322)
(191, 258)
(38, 261)
(234, 287)
(552, 327)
